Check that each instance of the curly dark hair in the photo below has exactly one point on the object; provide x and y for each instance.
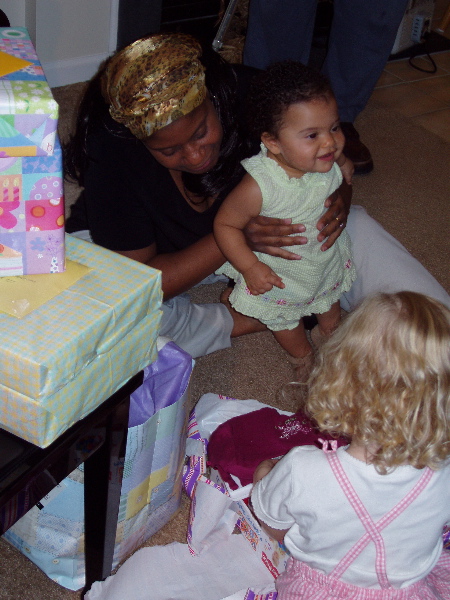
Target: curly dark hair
(275, 89)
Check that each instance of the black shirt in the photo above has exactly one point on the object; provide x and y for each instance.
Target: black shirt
(130, 201)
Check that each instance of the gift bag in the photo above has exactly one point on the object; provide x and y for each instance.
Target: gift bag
(51, 534)
(240, 571)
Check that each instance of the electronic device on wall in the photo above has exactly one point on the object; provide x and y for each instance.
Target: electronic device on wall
(415, 25)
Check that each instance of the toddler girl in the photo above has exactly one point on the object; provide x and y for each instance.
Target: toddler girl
(293, 111)
(365, 521)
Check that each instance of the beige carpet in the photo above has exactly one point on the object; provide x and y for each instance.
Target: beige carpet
(408, 193)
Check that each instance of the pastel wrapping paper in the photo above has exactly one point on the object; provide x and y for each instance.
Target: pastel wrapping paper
(208, 409)
(62, 360)
(32, 214)
(28, 111)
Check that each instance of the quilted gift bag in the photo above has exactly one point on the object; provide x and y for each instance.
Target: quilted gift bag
(51, 533)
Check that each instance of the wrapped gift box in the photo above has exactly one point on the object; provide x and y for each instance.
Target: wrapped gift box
(31, 179)
(66, 357)
(28, 111)
(32, 214)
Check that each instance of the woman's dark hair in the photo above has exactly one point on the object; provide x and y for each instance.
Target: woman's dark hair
(274, 90)
(93, 112)
(221, 82)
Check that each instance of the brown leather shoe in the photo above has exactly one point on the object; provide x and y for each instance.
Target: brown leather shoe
(356, 151)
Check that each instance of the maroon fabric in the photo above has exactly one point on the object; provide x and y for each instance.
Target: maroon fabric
(237, 446)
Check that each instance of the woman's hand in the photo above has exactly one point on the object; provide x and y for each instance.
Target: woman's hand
(347, 168)
(264, 234)
(334, 220)
(268, 235)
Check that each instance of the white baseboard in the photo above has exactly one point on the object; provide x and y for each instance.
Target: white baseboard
(73, 70)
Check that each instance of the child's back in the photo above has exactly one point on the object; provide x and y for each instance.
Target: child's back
(370, 514)
(326, 524)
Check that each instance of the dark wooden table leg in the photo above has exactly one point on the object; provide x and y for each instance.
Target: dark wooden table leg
(102, 486)
(28, 473)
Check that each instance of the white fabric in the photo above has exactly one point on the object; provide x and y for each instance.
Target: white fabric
(301, 493)
(383, 264)
(198, 329)
(172, 573)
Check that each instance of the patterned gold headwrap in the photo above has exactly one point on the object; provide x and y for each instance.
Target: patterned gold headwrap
(154, 81)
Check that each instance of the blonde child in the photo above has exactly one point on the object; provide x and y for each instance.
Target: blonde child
(293, 111)
(365, 521)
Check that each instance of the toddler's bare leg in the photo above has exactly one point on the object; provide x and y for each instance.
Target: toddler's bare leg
(301, 354)
(328, 323)
(294, 341)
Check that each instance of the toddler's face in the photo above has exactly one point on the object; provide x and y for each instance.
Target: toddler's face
(310, 139)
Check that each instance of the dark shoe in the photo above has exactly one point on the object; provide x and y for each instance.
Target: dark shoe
(356, 151)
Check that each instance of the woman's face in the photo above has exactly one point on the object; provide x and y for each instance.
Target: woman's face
(191, 143)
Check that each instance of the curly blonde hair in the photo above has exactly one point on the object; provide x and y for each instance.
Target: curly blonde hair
(383, 379)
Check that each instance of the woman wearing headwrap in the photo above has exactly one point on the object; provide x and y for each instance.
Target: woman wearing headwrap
(157, 148)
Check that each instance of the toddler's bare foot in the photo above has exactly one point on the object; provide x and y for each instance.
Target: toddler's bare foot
(242, 324)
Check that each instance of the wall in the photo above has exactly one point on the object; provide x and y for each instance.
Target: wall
(72, 37)
(14, 10)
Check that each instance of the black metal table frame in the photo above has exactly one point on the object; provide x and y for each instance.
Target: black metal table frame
(99, 441)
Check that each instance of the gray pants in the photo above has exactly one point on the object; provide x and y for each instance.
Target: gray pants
(197, 328)
(382, 265)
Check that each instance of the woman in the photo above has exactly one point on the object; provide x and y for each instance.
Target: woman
(157, 147)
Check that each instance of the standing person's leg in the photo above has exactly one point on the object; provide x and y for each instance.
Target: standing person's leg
(361, 38)
(279, 30)
(294, 341)
(383, 264)
(328, 322)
